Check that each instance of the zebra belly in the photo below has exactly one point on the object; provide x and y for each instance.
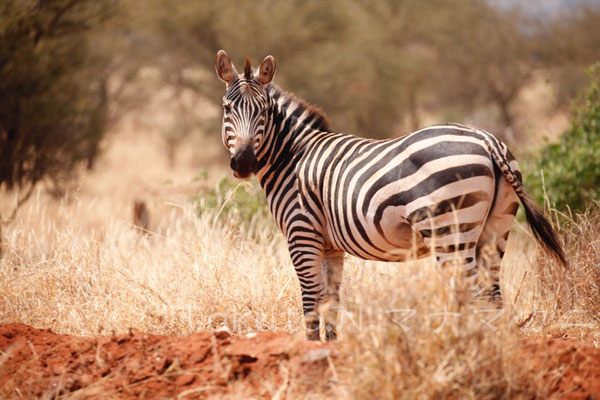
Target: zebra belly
(454, 213)
(389, 200)
(394, 239)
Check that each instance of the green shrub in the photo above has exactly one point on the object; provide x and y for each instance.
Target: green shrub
(241, 204)
(568, 172)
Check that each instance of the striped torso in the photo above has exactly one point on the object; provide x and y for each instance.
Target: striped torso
(372, 198)
(368, 193)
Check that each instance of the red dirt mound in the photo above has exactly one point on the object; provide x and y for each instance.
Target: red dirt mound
(39, 363)
(566, 368)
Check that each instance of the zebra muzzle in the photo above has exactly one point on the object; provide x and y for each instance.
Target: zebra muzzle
(244, 163)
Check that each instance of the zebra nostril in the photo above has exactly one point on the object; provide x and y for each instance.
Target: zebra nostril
(233, 164)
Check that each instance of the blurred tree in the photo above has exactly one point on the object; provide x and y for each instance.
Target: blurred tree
(370, 82)
(484, 56)
(361, 62)
(374, 67)
(564, 45)
(53, 98)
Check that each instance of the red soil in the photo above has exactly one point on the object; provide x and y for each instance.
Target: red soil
(566, 368)
(39, 363)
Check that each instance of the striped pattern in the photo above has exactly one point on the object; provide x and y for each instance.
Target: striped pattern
(448, 190)
(245, 121)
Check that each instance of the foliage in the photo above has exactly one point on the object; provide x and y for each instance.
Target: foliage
(571, 167)
(241, 204)
(376, 68)
(53, 98)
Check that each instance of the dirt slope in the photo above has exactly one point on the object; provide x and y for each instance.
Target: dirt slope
(137, 365)
(566, 368)
(39, 363)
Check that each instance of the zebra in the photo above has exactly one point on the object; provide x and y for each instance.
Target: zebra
(448, 190)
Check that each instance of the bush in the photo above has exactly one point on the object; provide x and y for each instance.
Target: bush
(571, 168)
(240, 204)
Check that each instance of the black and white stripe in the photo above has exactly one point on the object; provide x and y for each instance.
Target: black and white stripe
(448, 190)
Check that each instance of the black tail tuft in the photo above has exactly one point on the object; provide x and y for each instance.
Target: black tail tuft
(542, 230)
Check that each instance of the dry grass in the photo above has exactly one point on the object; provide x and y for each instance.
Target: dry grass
(76, 266)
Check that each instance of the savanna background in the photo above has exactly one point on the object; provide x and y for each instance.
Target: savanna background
(119, 214)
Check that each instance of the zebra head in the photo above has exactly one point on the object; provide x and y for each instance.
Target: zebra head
(245, 106)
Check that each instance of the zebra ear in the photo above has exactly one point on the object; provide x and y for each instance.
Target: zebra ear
(266, 70)
(225, 69)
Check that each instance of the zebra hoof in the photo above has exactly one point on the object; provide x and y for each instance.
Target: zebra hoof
(330, 333)
(313, 335)
(312, 329)
(495, 296)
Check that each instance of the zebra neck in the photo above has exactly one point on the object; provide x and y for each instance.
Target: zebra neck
(292, 125)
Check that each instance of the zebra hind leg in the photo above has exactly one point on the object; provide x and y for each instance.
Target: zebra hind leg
(461, 258)
(490, 251)
(452, 233)
(493, 240)
(333, 266)
(478, 263)
(489, 260)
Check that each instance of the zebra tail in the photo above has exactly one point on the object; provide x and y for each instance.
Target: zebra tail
(540, 226)
(542, 229)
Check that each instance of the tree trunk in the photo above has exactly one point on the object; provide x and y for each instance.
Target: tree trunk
(413, 109)
(504, 100)
(172, 145)
(508, 120)
(1, 241)
(98, 122)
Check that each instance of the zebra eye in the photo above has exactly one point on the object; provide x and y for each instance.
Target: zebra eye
(226, 107)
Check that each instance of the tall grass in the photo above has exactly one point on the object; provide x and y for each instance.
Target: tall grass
(198, 274)
(405, 331)
(418, 339)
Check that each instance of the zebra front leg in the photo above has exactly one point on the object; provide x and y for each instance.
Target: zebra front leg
(307, 260)
(333, 267)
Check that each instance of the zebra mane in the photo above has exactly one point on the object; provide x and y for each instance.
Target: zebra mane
(317, 118)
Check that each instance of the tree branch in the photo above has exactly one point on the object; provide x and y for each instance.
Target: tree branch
(20, 202)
